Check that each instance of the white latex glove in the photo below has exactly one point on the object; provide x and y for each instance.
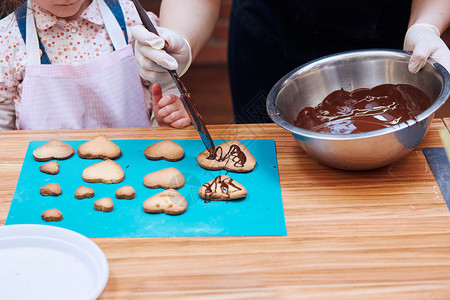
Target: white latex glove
(424, 41)
(152, 61)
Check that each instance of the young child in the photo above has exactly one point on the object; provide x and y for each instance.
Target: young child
(70, 64)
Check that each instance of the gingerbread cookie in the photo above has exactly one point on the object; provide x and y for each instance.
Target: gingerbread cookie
(169, 178)
(222, 188)
(169, 202)
(50, 168)
(107, 171)
(54, 149)
(104, 204)
(230, 156)
(99, 147)
(166, 149)
(51, 189)
(84, 192)
(52, 215)
(125, 192)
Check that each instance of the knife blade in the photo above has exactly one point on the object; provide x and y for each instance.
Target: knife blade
(185, 97)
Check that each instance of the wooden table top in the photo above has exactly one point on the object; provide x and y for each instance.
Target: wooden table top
(351, 235)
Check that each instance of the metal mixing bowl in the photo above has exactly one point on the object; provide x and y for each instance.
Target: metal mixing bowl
(309, 84)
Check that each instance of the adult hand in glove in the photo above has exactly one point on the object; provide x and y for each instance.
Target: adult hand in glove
(424, 41)
(152, 61)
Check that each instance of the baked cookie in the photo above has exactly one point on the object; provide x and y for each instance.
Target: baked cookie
(54, 149)
(52, 215)
(125, 192)
(50, 168)
(104, 204)
(107, 171)
(51, 189)
(231, 156)
(84, 192)
(169, 178)
(166, 149)
(169, 202)
(222, 188)
(99, 147)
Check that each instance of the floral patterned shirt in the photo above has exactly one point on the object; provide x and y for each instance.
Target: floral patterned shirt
(71, 42)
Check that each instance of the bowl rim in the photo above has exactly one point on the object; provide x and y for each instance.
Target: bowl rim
(278, 119)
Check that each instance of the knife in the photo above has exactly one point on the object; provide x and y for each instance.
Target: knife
(185, 97)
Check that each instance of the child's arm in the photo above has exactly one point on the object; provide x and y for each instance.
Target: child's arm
(9, 82)
(8, 92)
(7, 116)
(168, 109)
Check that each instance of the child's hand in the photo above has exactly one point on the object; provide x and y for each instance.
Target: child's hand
(168, 110)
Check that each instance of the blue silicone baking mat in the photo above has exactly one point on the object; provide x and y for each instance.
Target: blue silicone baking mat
(259, 214)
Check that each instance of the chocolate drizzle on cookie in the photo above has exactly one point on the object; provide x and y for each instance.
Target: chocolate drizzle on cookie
(222, 184)
(234, 154)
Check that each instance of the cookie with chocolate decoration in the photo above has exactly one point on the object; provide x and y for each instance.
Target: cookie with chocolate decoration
(231, 156)
(222, 188)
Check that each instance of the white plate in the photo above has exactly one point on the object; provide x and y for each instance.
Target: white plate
(47, 262)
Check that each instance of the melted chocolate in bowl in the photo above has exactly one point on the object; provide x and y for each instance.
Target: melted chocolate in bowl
(364, 109)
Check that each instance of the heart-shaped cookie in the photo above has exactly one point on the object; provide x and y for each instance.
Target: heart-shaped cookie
(54, 149)
(50, 168)
(230, 156)
(51, 189)
(99, 147)
(107, 171)
(169, 178)
(52, 215)
(125, 192)
(84, 192)
(169, 202)
(104, 204)
(166, 149)
(222, 188)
